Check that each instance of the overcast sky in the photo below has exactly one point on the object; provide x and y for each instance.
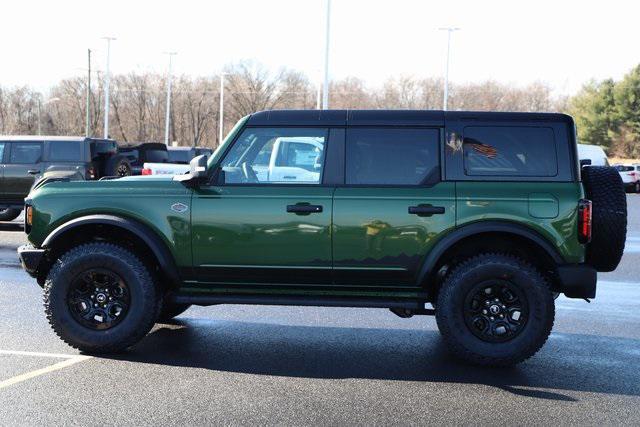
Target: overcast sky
(564, 43)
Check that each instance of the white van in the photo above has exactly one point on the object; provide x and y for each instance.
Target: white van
(595, 153)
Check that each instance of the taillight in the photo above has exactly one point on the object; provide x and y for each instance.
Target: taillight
(584, 221)
(28, 215)
(91, 173)
(146, 171)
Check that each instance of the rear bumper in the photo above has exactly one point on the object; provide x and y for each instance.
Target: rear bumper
(30, 258)
(578, 280)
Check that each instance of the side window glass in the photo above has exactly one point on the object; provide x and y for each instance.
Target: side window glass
(276, 156)
(509, 151)
(392, 156)
(25, 152)
(2, 145)
(64, 151)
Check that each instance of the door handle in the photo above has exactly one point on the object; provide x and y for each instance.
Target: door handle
(426, 210)
(33, 171)
(304, 209)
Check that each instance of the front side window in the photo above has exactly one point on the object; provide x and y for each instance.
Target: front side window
(65, 151)
(509, 151)
(378, 156)
(276, 156)
(2, 144)
(25, 152)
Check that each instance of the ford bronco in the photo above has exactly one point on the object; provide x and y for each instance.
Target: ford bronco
(480, 219)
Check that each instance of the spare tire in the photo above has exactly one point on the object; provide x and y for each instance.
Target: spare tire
(604, 187)
(118, 166)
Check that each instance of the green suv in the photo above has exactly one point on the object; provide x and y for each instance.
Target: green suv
(481, 219)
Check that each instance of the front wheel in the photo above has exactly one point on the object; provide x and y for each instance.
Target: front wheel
(100, 298)
(495, 310)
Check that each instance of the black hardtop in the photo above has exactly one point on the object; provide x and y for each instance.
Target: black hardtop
(42, 138)
(391, 117)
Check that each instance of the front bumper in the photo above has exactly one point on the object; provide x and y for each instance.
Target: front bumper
(30, 258)
(578, 280)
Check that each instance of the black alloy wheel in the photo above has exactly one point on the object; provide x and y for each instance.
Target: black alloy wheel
(98, 299)
(495, 311)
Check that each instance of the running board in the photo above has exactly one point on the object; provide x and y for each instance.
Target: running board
(360, 302)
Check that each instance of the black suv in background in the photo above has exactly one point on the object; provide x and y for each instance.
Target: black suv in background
(24, 159)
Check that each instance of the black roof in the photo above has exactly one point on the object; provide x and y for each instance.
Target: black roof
(28, 138)
(389, 117)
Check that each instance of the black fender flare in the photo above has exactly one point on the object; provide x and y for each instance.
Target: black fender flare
(479, 227)
(159, 248)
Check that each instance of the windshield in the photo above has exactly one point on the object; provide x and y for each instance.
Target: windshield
(215, 157)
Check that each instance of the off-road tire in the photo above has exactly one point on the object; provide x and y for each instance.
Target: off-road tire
(171, 310)
(9, 214)
(462, 342)
(604, 187)
(118, 166)
(141, 315)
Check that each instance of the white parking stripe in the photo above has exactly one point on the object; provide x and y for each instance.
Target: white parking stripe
(70, 360)
(36, 354)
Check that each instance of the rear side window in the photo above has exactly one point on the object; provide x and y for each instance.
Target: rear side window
(2, 144)
(25, 152)
(622, 168)
(63, 151)
(509, 151)
(391, 156)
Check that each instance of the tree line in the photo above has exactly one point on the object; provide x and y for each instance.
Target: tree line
(605, 112)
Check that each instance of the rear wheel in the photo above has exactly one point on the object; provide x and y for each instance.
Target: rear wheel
(100, 298)
(495, 310)
(636, 187)
(9, 214)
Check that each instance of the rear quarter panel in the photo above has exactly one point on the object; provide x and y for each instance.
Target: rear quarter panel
(548, 208)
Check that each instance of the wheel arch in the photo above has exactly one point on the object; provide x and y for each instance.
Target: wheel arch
(491, 234)
(138, 232)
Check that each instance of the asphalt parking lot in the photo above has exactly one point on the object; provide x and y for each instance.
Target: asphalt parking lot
(290, 365)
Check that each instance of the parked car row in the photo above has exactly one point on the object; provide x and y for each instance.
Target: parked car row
(630, 175)
(26, 159)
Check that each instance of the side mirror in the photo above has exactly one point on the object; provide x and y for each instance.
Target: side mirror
(197, 170)
(585, 162)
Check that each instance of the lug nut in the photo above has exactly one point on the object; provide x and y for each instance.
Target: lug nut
(95, 305)
(492, 318)
(484, 311)
(487, 302)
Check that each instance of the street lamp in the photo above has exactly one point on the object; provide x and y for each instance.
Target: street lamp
(168, 109)
(449, 30)
(221, 115)
(106, 88)
(325, 85)
(40, 104)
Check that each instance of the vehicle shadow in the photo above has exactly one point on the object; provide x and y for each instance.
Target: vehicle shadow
(568, 361)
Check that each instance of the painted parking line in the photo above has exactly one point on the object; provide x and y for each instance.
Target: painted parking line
(70, 360)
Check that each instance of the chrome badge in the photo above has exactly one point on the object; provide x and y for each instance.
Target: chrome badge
(179, 207)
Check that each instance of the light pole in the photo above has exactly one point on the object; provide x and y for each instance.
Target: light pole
(88, 100)
(40, 104)
(106, 88)
(221, 116)
(325, 85)
(449, 30)
(168, 109)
